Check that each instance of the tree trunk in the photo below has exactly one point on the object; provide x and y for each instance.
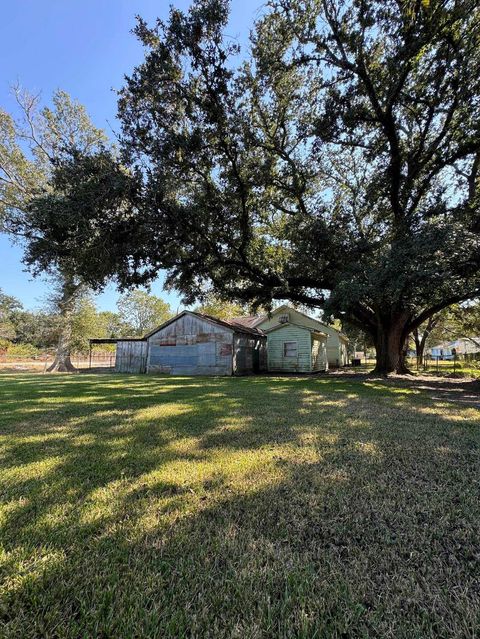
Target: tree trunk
(62, 362)
(66, 304)
(390, 348)
(419, 346)
(420, 342)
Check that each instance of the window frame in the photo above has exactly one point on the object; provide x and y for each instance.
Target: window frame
(285, 348)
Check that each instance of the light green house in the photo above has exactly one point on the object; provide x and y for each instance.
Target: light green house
(295, 348)
(299, 343)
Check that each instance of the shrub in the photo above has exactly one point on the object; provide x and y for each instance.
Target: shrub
(4, 344)
(21, 350)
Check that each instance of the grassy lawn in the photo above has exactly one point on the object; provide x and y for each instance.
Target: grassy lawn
(136, 506)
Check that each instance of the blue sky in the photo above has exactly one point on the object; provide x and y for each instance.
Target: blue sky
(84, 47)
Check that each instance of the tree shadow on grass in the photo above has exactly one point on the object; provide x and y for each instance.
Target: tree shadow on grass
(256, 507)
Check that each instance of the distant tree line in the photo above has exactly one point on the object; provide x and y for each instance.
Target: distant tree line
(25, 331)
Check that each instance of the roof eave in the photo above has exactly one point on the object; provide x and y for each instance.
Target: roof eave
(234, 328)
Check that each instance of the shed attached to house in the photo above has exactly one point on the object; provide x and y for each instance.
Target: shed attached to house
(196, 344)
(337, 346)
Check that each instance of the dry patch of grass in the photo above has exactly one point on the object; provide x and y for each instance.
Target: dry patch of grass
(255, 507)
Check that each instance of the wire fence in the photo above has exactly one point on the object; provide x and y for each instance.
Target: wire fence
(461, 365)
(42, 361)
(453, 365)
(96, 360)
(456, 365)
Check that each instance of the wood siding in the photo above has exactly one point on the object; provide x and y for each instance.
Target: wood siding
(336, 351)
(131, 357)
(302, 363)
(336, 344)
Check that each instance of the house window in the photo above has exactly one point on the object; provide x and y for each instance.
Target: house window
(289, 349)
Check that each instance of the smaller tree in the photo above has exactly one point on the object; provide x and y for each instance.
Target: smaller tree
(358, 340)
(87, 322)
(422, 333)
(37, 328)
(459, 320)
(142, 311)
(467, 317)
(113, 325)
(223, 309)
(9, 305)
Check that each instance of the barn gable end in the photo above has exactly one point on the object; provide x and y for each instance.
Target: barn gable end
(190, 345)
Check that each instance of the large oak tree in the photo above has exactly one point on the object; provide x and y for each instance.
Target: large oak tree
(335, 165)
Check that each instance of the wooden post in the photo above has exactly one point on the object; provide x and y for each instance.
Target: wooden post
(90, 355)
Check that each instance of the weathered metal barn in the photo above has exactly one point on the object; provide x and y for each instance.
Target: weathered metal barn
(195, 344)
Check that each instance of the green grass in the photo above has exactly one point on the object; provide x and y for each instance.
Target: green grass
(448, 368)
(136, 506)
(432, 367)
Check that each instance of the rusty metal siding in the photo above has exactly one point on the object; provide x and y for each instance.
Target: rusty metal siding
(131, 357)
(191, 345)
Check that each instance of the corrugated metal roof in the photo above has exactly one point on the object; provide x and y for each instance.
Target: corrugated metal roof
(248, 321)
(235, 323)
